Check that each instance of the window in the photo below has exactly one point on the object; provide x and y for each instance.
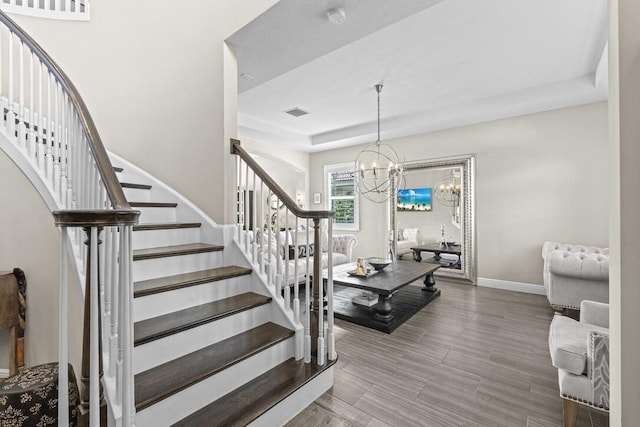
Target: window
(341, 196)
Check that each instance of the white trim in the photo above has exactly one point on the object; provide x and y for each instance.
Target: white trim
(4, 373)
(506, 285)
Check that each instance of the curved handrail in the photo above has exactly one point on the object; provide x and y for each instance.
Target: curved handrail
(103, 164)
(274, 187)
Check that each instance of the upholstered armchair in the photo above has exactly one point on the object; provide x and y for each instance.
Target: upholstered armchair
(573, 273)
(407, 238)
(580, 351)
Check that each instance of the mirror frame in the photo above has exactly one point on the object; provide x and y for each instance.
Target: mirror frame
(467, 272)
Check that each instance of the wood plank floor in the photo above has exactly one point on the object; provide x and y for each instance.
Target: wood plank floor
(473, 357)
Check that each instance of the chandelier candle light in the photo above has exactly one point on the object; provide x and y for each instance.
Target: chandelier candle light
(377, 166)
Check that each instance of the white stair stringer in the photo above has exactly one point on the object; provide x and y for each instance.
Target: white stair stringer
(154, 353)
(172, 265)
(184, 403)
(161, 303)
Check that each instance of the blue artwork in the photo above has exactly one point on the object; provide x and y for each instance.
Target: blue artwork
(414, 200)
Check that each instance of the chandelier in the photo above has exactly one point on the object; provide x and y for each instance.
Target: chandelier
(447, 192)
(377, 167)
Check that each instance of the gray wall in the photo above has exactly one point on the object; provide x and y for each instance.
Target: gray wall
(538, 177)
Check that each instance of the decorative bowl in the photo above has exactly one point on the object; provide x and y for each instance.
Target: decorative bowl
(378, 263)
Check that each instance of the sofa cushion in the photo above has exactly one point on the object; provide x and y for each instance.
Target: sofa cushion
(583, 265)
(568, 341)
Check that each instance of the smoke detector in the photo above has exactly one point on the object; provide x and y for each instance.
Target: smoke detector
(336, 15)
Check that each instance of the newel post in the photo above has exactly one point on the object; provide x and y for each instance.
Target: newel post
(315, 305)
(91, 315)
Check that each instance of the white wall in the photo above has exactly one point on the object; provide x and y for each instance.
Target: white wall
(538, 177)
(290, 169)
(152, 75)
(29, 240)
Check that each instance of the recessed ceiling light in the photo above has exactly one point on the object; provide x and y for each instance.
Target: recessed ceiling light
(296, 112)
(246, 76)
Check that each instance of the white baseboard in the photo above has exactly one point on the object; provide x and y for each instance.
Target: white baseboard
(4, 373)
(506, 285)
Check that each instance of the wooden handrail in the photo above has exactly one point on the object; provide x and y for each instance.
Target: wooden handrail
(111, 183)
(95, 218)
(274, 187)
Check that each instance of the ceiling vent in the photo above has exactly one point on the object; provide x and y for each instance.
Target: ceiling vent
(296, 112)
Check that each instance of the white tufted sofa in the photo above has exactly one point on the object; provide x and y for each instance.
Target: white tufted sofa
(573, 273)
(342, 246)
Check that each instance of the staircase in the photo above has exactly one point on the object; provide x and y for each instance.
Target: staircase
(186, 322)
(211, 347)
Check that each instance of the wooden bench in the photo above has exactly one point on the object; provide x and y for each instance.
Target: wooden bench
(12, 311)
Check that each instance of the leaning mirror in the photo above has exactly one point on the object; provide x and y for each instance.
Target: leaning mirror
(432, 217)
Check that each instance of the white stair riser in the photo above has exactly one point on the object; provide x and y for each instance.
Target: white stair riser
(288, 408)
(169, 266)
(157, 352)
(143, 239)
(167, 302)
(137, 194)
(184, 403)
(156, 215)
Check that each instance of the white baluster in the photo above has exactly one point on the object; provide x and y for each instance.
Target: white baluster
(56, 5)
(296, 281)
(245, 202)
(128, 408)
(331, 342)
(261, 205)
(307, 304)
(107, 286)
(238, 207)
(32, 107)
(269, 245)
(318, 283)
(11, 116)
(21, 129)
(63, 331)
(114, 360)
(56, 140)
(41, 147)
(94, 384)
(48, 130)
(63, 140)
(287, 268)
(2, 120)
(67, 5)
(253, 222)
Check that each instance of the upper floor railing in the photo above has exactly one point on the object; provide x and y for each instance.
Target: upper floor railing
(71, 10)
(50, 134)
(274, 232)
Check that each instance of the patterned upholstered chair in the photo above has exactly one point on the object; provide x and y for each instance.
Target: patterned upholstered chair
(30, 398)
(580, 351)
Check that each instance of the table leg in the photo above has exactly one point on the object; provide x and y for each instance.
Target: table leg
(383, 309)
(417, 256)
(429, 283)
(436, 256)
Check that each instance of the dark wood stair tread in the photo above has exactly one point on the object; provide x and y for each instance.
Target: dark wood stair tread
(166, 226)
(137, 186)
(152, 204)
(169, 283)
(248, 402)
(169, 378)
(117, 169)
(162, 326)
(176, 250)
